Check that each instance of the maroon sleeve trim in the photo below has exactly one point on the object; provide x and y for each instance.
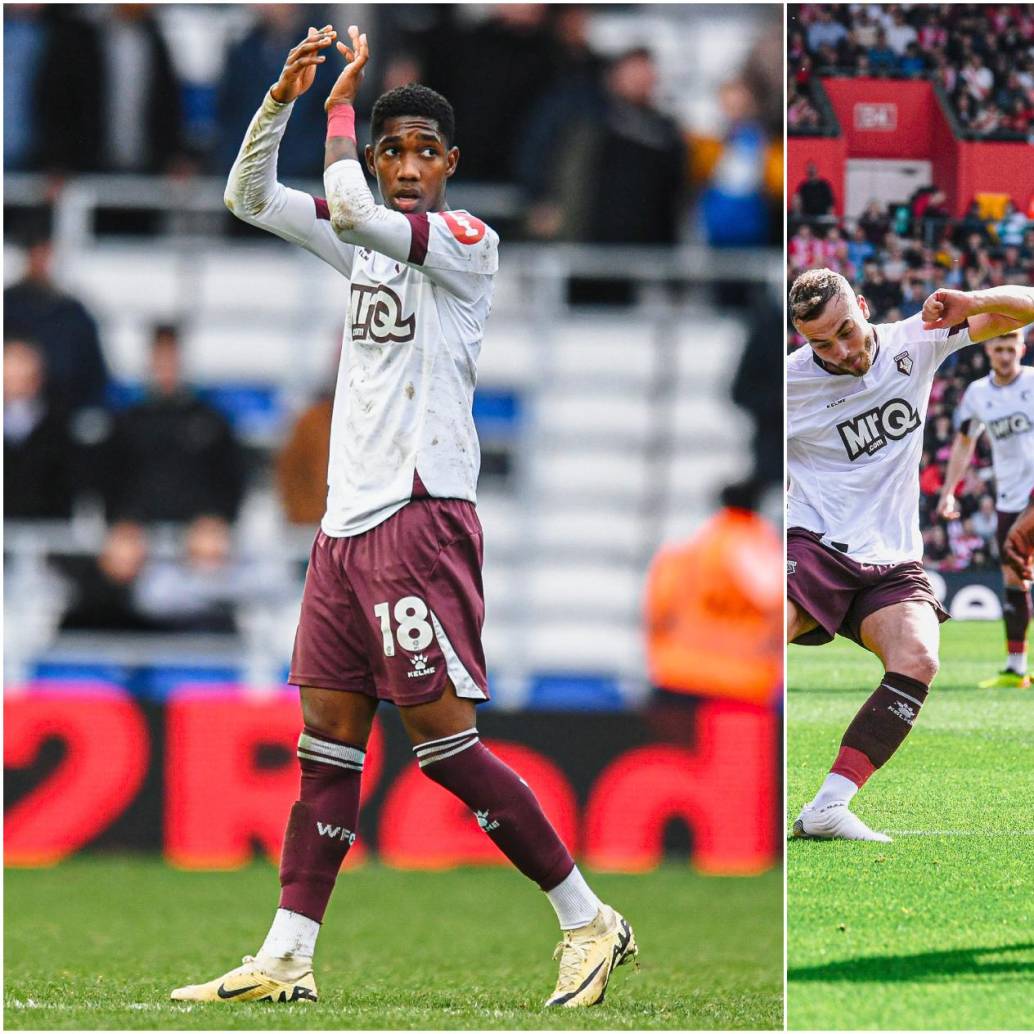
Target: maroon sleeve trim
(421, 228)
(322, 208)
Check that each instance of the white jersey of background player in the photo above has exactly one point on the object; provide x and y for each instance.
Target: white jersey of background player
(1003, 402)
(1007, 413)
(417, 304)
(854, 443)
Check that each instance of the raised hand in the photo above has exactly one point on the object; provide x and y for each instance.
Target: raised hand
(300, 67)
(946, 308)
(347, 85)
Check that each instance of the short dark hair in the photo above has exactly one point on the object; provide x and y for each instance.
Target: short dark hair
(414, 99)
(812, 290)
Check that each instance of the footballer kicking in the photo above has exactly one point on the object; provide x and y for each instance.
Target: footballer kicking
(1003, 403)
(856, 403)
(393, 603)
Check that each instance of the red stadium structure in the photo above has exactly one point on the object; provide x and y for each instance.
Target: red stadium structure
(889, 119)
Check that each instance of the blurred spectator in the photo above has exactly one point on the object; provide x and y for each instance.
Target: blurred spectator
(622, 178)
(38, 449)
(104, 96)
(1012, 227)
(800, 112)
(816, 194)
(37, 309)
(202, 590)
(874, 221)
(172, 457)
(301, 467)
(493, 73)
(760, 366)
(824, 30)
(138, 94)
(101, 588)
(734, 206)
(25, 42)
(881, 293)
(882, 58)
(985, 521)
(899, 33)
(714, 614)
(252, 66)
(576, 94)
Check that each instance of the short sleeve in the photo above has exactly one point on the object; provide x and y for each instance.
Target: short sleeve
(454, 240)
(966, 419)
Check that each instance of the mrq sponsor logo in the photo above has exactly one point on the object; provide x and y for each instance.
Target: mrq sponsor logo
(870, 431)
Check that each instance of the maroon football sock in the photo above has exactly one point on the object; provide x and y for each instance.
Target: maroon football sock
(1016, 613)
(502, 802)
(322, 824)
(880, 726)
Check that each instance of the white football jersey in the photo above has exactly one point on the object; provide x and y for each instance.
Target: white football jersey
(419, 293)
(1007, 411)
(854, 443)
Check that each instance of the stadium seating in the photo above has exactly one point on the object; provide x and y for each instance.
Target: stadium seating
(618, 424)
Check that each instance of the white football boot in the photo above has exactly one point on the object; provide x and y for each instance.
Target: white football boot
(588, 955)
(834, 822)
(258, 980)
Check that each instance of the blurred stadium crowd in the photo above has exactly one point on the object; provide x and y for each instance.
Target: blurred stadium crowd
(979, 56)
(589, 127)
(170, 89)
(896, 255)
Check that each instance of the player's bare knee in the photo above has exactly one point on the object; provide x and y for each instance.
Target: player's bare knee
(347, 717)
(920, 664)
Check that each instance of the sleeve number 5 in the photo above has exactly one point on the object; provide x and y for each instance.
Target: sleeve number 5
(414, 633)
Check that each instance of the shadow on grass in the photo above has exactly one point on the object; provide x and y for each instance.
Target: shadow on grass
(891, 968)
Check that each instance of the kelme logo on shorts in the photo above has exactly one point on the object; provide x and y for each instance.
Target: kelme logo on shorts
(420, 667)
(870, 431)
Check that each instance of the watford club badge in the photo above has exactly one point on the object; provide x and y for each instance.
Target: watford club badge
(904, 361)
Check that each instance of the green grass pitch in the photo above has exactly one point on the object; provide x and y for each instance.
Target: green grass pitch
(97, 943)
(936, 930)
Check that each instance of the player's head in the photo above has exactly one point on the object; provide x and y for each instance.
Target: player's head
(412, 153)
(166, 360)
(1005, 353)
(825, 309)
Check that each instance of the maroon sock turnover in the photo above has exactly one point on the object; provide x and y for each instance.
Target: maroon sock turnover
(502, 802)
(322, 824)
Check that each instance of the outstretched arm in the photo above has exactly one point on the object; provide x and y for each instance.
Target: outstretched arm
(961, 454)
(989, 313)
(252, 191)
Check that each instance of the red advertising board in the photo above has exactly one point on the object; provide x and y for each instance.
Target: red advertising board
(207, 777)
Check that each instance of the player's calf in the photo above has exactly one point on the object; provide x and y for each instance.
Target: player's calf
(509, 813)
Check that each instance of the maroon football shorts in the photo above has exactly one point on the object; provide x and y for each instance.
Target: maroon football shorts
(839, 593)
(397, 611)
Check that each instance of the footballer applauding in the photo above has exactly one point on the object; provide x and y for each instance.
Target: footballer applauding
(856, 404)
(393, 606)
